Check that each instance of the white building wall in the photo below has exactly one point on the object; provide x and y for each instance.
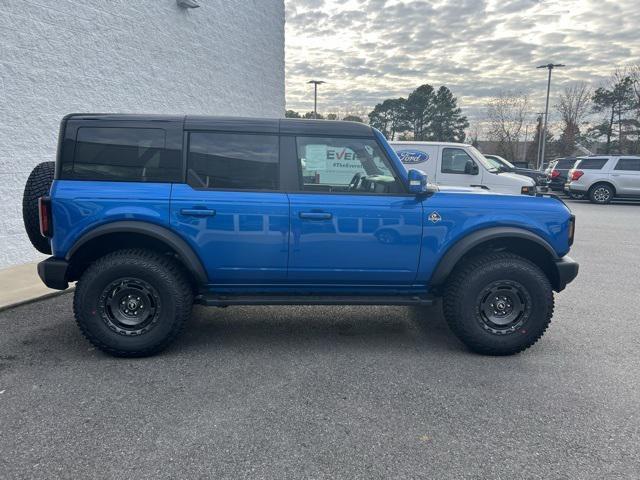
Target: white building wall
(122, 56)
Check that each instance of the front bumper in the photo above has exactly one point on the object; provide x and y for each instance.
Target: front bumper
(567, 269)
(53, 272)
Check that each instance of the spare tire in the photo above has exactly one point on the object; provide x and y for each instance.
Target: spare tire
(38, 185)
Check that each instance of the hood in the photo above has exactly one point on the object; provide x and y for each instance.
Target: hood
(452, 189)
(518, 178)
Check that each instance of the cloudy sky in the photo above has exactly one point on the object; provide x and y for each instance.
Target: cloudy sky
(369, 50)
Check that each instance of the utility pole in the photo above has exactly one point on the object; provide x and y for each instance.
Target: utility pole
(315, 95)
(548, 66)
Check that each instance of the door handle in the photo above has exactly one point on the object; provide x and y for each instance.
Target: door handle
(315, 216)
(198, 212)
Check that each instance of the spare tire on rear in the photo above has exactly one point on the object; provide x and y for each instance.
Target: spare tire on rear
(38, 185)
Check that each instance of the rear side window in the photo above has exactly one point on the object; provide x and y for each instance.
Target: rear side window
(565, 163)
(124, 154)
(629, 164)
(592, 163)
(235, 161)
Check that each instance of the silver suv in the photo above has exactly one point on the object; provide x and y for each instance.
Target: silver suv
(603, 177)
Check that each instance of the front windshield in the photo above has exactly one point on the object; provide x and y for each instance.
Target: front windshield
(484, 160)
(496, 163)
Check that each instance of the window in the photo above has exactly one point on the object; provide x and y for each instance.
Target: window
(354, 165)
(237, 161)
(631, 164)
(454, 160)
(124, 154)
(565, 163)
(592, 163)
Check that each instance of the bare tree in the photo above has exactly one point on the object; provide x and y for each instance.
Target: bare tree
(507, 114)
(634, 73)
(573, 106)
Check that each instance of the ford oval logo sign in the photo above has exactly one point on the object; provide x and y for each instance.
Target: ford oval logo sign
(411, 157)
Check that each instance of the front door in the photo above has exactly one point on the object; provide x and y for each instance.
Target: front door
(453, 169)
(352, 222)
(230, 210)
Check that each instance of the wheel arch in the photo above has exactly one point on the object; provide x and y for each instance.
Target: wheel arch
(127, 234)
(517, 240)
(608, 183)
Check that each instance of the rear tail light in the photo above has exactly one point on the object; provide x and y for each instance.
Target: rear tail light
(575, 175)
(555, 173)
(44, 210)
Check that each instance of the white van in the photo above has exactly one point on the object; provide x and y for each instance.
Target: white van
(460, 165)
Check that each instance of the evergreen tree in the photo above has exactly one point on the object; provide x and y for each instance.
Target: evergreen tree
(447, 124)
(420, 110)
(291, 114)
(390, 117)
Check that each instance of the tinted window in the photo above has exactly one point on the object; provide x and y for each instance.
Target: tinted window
(632, 164)
(233, 160)
(345, 165)
(565, 163)
(454, 160)
(592, 163)
(124, 154)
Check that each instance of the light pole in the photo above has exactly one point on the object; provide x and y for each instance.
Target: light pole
(315, 96)
(539, 120)
(549, 66)
(524, 148)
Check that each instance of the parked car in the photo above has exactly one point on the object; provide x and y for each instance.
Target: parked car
(460, 165)
(541, 178)
(557, 171)
(150, 214)
(602, 178)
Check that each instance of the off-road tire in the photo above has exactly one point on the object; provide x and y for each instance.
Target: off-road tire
(464, 308)
(38, 185)
(169, 292)
(601, 194)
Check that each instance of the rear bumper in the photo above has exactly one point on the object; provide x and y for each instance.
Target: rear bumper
(567, 269)
(53, 272)
(575, 187)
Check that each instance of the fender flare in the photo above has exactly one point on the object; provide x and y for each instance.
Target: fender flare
(185, 253)
(449, 260)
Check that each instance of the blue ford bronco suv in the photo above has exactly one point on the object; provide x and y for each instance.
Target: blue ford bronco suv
(151, 214)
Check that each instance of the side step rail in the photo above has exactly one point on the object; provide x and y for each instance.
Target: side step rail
(226, 300)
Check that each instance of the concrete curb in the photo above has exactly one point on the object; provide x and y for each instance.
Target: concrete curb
(38, 298)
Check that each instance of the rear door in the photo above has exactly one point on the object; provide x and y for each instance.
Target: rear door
(626, 175)
(351, 222)
(231, 210)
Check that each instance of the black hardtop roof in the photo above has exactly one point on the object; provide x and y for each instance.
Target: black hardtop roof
(287, 126)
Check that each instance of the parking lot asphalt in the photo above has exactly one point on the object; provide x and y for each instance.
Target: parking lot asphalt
(339, 392)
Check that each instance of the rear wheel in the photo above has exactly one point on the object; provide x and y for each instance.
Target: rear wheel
(133, 303)
(38, 185)
(601, 193)
(498, 303)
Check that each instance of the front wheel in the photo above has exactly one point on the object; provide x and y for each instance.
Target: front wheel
(132, 303)
(498, 303)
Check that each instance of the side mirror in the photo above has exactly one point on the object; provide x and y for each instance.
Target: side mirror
(470, 168)
(417, 181)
